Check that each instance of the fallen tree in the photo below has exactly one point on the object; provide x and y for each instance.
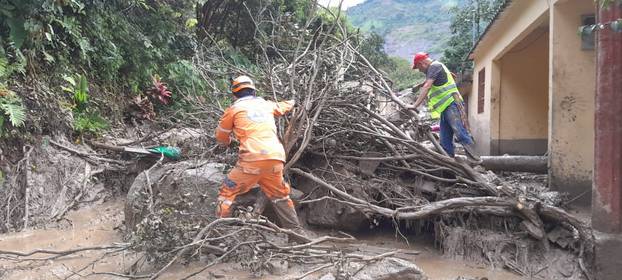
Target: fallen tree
(341, 121)
(534, 164)
(342, 124)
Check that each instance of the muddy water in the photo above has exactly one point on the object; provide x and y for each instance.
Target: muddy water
(421, 252)
(96, 227)
(87, 227)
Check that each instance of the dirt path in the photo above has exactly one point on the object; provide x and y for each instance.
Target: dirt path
(96, 226)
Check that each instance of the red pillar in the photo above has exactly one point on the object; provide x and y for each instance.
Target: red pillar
(607, 182)
(607, 189)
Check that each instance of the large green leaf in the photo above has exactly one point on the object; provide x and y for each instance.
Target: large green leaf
(84, 87)
(81, 94)
(18, 31)
(4, 66)
(16, 113)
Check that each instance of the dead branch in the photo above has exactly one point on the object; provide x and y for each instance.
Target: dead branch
(57, 254)
(91, 158)
(26, 185)
(530, 215)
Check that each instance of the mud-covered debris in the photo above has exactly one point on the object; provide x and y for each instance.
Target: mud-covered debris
(278, 267)
(551, 198)
(561, 237)
(185, 190)
(192, 141)
(390, 269)
(328, 276)
(50, 181)
(330, 213)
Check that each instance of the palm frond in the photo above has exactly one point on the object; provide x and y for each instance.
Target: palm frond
(16, 113)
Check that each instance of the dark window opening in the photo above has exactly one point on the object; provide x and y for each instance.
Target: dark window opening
(588, 39)
(481, 87)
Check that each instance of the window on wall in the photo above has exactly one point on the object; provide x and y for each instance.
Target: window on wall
(481, 87)
(588, 39)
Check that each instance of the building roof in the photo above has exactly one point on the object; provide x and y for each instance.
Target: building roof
(502, 9)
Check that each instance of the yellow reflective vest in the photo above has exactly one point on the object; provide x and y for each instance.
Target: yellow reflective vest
(440, 97)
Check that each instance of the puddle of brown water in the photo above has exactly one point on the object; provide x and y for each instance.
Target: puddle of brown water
(89, 227)
(429, 259)
(96, 226)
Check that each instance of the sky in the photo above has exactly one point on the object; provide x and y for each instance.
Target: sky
(346, 3)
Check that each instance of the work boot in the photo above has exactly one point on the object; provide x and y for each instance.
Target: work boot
(469, 149)
(260, 204)
(286, 213)
(289, 218)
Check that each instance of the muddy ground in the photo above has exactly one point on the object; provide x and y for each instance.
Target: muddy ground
(102, 224)
(73, 201)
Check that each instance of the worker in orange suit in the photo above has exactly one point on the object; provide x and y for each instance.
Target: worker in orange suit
(261, 154)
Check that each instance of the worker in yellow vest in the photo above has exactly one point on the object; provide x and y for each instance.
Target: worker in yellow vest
(444, 103)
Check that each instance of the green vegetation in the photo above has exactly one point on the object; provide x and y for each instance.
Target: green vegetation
(402, 73)
(79, 66)
(398, 70)
(12, 108)
(89, 123)
(467, 26)
(117, 45)
(86, 120)
(79, 91)
(407, 26)
(91, 60)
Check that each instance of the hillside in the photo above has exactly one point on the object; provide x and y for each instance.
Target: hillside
(407, 26)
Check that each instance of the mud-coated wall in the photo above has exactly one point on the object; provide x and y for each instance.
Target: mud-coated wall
(572, 81)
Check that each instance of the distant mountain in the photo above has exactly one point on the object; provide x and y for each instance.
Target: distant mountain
(408, 26)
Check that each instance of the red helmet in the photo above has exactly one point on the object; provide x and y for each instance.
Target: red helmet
(420, 56)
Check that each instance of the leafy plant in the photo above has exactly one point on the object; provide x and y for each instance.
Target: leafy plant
(4, 66)
(12, 107)
(89, 123)
(160, 91)
(468, 23)
(79, 90)
(85, 121)
(18, 32)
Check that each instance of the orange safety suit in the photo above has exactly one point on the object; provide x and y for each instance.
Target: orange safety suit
(261, 154)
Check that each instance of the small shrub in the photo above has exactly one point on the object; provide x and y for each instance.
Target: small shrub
(184, 78)
(90, 123)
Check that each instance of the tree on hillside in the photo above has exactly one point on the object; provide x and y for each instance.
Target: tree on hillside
(372, 47)
(468, 24)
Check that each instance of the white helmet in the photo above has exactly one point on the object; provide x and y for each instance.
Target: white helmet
(240, 83)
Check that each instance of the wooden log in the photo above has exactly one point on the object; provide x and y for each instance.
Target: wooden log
(534, 164)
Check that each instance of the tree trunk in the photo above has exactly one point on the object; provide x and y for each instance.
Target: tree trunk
(534, 164)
